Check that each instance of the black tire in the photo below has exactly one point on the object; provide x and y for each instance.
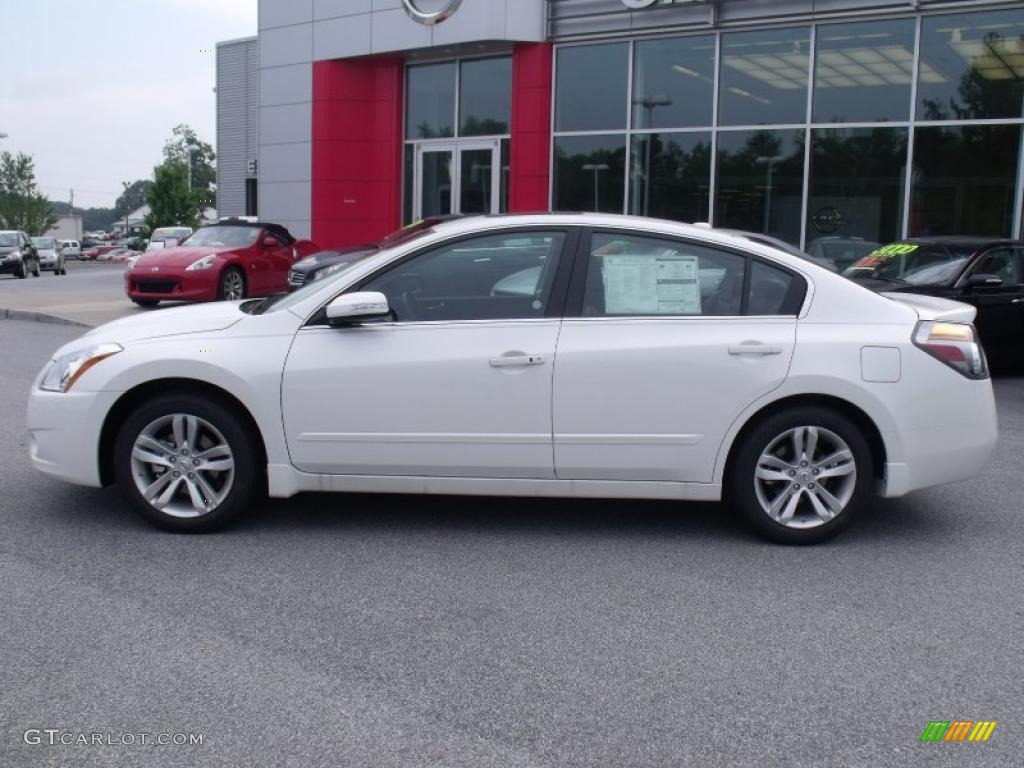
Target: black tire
(22, 271)
(248, 476)
(147, 303)
(741, 492)
(36, 272)
(225, 286)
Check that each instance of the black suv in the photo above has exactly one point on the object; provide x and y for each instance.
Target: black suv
(17, 254)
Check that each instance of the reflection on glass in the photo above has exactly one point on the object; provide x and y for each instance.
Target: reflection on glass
(590, 94)
(764, 77)
(760, 182)
(863, 71)
(670, 176)
(477, 173)
(964, 180)
(430, 106)
(674, 82)
(972, 65)
(485, 97)
(437, 184)
(856, 202)
(589, 173)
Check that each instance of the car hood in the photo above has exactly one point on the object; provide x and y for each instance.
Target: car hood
(934, 308)
(178, 256)
(175, 321)
(5, 249)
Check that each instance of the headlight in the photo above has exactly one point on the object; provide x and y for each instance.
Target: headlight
(67, 369)
(12, 256)
(204, 263)
(328, 271)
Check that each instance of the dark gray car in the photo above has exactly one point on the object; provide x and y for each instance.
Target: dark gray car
(18, 256)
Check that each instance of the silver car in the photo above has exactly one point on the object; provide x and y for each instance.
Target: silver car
(50, 256)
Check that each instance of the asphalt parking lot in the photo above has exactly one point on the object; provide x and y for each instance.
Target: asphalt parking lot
(402, 631)
(91, 293)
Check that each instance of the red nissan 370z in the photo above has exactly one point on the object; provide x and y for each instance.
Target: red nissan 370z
(233, 259)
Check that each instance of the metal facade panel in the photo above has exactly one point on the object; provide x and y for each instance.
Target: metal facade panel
(283, 13)
(237, 121)
(291, 84)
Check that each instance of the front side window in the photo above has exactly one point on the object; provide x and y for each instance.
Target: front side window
(507, 276)
(644, 276)
(1003, 263)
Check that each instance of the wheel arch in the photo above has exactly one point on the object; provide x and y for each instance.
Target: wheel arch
(131, 399)
(867, 425)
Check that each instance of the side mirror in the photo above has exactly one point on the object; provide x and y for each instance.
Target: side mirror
(271, 242)
(983, 280)
(355, 308)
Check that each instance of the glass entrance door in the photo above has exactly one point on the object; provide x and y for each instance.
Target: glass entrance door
(457, 177)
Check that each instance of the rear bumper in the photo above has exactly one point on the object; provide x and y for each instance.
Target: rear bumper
(945, 445)
(168, 285)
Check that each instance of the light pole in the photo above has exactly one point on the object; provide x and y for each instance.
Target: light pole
(597, 168)
(649, 103)
(770, 161)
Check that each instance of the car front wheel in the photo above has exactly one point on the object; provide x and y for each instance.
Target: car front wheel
(801, 475)
(186, 463)
(35, 270)
(232, 284)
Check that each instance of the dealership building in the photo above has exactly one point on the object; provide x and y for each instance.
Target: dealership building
(815, 121)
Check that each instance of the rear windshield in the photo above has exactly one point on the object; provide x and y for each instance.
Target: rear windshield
(46, 243)
(7, 239)
(909, 263)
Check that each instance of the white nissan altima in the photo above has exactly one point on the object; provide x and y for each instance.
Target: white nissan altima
(542, 355)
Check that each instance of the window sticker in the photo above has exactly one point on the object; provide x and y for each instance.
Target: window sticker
(885, 253)
(666, 284)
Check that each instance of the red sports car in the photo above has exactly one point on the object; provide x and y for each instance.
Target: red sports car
(232, 259)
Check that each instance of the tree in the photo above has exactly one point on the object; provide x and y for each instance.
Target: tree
(133, 197)
(22, 206)
(169, 198)
(186, 148)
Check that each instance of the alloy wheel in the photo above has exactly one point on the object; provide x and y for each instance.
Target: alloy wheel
(182, 465)
(805, 477)
(234, 285)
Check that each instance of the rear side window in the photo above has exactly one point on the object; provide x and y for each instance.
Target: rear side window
(771, 291)
(641, 276)
(645, 276)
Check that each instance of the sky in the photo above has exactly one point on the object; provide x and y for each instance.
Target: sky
(92, 88)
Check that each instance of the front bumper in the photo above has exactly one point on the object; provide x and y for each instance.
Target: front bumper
(171, 285)
(64, 433)
(9, 267)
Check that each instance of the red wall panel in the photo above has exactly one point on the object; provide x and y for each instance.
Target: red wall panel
(357, 146)
(530, 176)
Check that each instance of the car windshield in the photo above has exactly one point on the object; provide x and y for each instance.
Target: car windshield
(908, 263)
(7, 239)
(46, 243)
(217, 236)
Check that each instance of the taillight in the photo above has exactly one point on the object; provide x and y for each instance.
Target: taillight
(955, 344)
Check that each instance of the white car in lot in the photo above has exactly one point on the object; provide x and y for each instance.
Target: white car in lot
(627, 358)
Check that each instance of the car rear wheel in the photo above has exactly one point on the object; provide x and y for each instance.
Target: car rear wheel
(148, 303)
(801, 475)
(232, 284)
(35, 271)
(185, 463)
(22, 271)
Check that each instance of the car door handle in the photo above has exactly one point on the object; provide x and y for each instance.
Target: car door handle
(516, 359)
(1018, 300)
(754, 348)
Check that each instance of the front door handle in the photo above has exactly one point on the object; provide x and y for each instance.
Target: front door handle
(1018, 300)
(514, 359)
(754, 348)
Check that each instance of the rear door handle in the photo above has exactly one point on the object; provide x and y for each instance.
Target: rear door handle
(516, 359)
(754, 348)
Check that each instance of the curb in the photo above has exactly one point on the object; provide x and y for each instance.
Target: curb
(40, 317)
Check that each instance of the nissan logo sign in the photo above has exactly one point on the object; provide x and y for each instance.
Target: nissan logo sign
(641, 4)
(430, 12)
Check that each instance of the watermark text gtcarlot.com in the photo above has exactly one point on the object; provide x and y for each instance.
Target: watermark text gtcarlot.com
(55, 737)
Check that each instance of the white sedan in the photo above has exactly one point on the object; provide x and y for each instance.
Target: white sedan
(543, 355)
